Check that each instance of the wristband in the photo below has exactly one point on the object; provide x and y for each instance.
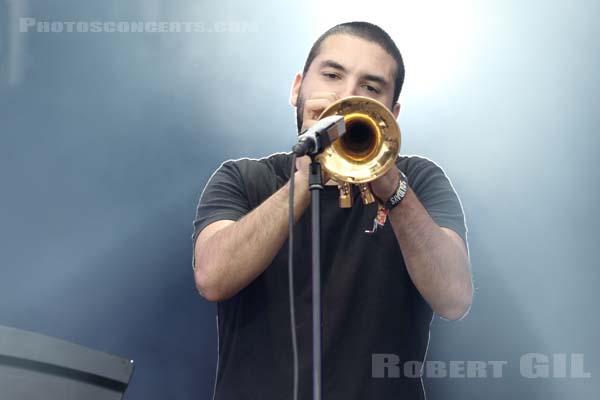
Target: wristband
(399, 194)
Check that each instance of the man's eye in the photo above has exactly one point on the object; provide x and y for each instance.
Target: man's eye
(330, 75)
(371, 88)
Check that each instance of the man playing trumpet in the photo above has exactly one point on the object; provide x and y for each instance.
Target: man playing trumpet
(379, 291)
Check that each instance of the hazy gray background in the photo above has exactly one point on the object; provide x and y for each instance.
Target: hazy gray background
(106, 141)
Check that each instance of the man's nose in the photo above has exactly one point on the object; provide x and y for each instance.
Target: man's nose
(350, 89)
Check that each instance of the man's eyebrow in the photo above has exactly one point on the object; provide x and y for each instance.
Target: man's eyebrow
(368, 77)
(332, 64)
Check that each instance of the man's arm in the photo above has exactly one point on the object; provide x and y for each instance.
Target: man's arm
(230, 255)
(436, 258)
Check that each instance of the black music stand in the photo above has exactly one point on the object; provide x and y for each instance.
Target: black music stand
(34, 366)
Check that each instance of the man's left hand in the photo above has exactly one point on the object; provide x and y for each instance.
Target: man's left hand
(384, 187)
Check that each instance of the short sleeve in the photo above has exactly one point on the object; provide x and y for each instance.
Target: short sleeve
(436, 193)
(223, 198)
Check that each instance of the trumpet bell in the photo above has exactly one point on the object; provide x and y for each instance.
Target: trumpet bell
(367, 150)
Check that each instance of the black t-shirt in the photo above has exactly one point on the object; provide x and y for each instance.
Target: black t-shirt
(370, 305)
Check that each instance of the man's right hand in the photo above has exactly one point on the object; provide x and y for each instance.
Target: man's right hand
(313, 108)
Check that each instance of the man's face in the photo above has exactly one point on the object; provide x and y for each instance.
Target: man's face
(347, 66)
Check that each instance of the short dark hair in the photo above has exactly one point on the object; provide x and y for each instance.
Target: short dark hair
(369, 32)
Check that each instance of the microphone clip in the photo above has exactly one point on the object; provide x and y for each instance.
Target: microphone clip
(319, 136)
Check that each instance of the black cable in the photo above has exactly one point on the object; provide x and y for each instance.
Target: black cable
(291, 275)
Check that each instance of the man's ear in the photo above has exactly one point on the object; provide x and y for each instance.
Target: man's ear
(396, 110)
(295, 89)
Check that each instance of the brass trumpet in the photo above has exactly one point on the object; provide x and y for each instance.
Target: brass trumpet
(366, 151)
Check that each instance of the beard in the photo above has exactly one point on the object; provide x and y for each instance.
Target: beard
(300, 111)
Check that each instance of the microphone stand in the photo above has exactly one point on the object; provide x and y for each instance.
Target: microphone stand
(315, 182)
(313, 141)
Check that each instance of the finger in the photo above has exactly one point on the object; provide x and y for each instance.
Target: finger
(314, 107)
(302, 164)
(324, 95)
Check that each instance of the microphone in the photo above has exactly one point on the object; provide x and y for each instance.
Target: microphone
(316, 138)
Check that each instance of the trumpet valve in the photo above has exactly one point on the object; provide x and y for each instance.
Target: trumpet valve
(346, 198)
(366, 193)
